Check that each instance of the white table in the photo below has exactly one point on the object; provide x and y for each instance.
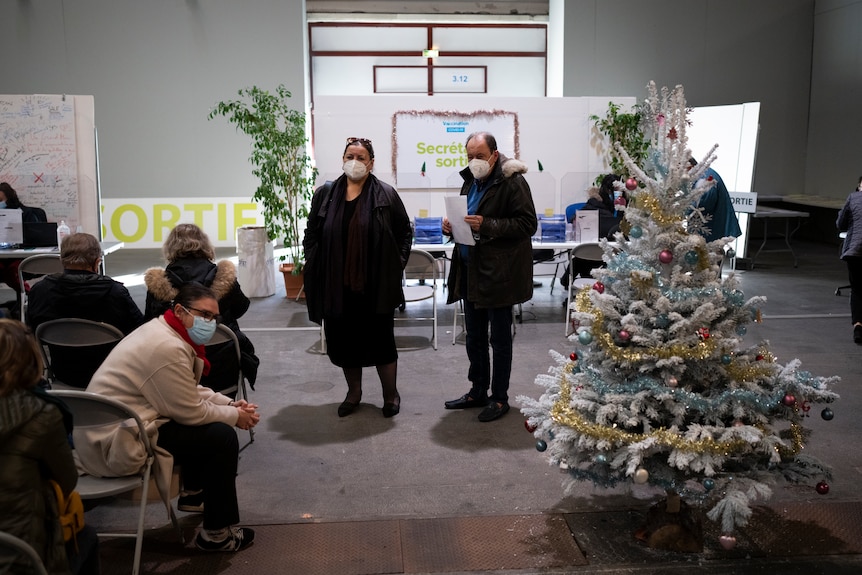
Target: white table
(765, 214)
(23, 253)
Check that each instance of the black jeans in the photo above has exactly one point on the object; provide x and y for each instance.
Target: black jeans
(476, 321)
(854, 267)
(213, 451)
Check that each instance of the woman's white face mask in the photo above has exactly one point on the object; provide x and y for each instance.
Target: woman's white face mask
(354, 169)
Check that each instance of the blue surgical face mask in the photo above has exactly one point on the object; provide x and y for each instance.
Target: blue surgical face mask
(202, 331)
(2, 204)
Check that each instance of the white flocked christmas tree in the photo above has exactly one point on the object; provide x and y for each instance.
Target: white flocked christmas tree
(659, 389)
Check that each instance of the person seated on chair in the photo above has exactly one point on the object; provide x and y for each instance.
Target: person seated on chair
(156, 371)
(9, 267)
(81, 292)
(190, 257)
(34, 449)
(610, 200)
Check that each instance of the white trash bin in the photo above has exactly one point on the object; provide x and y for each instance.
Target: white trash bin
(255, 262)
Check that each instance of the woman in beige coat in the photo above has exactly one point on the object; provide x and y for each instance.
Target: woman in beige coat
(156, 371)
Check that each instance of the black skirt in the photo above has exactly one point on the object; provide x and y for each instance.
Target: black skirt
(359, 337)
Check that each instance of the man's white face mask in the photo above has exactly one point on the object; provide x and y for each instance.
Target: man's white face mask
(479, 168)
(354, 169)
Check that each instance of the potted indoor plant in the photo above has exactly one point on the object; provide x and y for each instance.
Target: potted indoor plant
(280, 162)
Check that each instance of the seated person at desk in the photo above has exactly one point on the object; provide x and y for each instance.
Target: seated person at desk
(610, 200)
(81, 292)
(9, 267)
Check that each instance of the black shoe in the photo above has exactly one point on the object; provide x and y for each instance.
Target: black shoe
(493, 411)
(465, 401)
(392, 408)
(191, 503)
(857, 334)
(238, 539)
(346, 408)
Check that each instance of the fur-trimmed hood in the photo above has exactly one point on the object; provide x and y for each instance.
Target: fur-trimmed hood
(511, 166)
(165, 283)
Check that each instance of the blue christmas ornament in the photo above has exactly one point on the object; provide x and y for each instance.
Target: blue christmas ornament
(827, 414)
(691, 257)
(708, 484)
(741, 330)
(662, 320)
(601, 458)
(636, 232)
(585, 337)
(731, 253)
(725, 359)
(541, 446)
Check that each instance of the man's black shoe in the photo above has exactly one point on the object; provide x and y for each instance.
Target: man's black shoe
(493, 411)
(466, 401)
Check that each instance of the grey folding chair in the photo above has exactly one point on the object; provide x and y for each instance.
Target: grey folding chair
(96, 410)
(222, 335)
(19, 548)
(590, 251)
(35, 266)
(420, 283)
(74, 348)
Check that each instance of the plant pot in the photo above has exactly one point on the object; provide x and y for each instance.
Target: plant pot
(292, 283)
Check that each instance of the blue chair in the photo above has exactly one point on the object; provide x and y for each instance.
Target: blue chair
(572, 208)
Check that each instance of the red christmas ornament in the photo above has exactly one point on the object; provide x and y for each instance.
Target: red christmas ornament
(709, 179)
(672, 135)
(573, 356)
(530, 428)
(599, 287)
(624, 335)
(703, 333)
(727, 542)
(805, 406)
(759, 357)
(789, 400)
(665, 257)
(631, 184)
(822, 488)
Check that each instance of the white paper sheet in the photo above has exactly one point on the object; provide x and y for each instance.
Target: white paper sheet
(456, 211)
(11, 227)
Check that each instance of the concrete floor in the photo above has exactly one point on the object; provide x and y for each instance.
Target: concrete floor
(307, 467)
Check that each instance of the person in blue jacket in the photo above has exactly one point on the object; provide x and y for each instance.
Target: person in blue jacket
(717, 204)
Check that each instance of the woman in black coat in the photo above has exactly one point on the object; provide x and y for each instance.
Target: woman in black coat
(190, 256)
(357, 242)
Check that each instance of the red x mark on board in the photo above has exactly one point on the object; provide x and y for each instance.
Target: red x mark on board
(38, 177)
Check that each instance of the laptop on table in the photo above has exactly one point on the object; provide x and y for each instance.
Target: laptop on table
(40, 235)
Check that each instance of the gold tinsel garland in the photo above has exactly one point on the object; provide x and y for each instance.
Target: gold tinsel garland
(562, 413)
(701, 350)
(651, 205)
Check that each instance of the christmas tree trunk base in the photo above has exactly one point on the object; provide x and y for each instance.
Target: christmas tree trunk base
(672, 525)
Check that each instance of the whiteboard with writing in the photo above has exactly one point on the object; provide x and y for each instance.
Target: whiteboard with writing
(47, 153)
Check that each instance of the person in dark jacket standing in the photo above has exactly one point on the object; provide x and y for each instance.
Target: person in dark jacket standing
(190, 256)
(495, 273)
(850, 221)
(81, 292)
(356, 244)
(34, 449)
